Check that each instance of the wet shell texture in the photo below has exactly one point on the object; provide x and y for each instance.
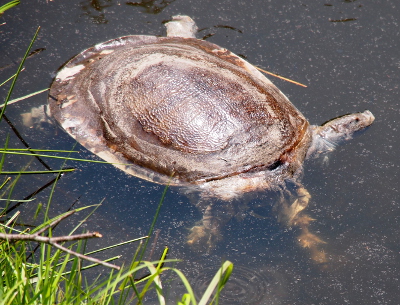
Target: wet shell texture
(178, 110)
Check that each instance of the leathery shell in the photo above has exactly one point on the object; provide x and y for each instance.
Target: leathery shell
(176, 110)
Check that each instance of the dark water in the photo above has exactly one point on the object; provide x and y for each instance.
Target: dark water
(345, 51)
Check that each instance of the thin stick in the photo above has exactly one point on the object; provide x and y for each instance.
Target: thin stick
(281, 77)
(10, 78)
(55, 240)
(49, 240)
(13, 218)
(88, 258)
(5, 182)
(10, 90)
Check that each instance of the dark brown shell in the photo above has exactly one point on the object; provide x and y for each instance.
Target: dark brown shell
(176, 107)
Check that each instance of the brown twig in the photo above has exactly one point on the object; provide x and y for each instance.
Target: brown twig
(54, 241)
(49, 240)
(281, 77)
(51, 225)
(85, 257)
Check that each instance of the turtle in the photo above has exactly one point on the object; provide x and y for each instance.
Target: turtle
(186, 112)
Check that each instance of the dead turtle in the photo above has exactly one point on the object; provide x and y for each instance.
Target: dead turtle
(182, 111)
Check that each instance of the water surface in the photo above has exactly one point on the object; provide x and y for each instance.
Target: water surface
(347, 54)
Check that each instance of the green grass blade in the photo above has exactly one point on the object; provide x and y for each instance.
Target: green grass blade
(8, 79)
(17, 200)
(8, 5)
(37, 172)
(219, 280)
(155, 272)
(186, 284)
(154, 221)
(3, 157)
(42, 150)
(6, 180)
(18, 71)
(2, 151)
(23, 97)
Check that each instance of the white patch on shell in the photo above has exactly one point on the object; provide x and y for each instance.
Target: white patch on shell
(68, 73)
(69, 103)
(104, 46)
(219, 51)
(105, 52)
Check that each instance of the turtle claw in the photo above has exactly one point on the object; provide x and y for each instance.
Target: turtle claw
(291, 213)
(313, 243)
(293, 216)
(207, 234)
(304, 220)
(309, 240)
(203, 238)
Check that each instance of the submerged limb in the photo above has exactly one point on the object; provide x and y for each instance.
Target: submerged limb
(312, 243)
(206, 233)
(294, 216)
(215, 215)
(303, 198)
(289, 213)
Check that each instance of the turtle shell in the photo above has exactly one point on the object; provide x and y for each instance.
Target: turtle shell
(176, 110)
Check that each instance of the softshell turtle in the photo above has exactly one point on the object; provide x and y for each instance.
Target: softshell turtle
(182, 111)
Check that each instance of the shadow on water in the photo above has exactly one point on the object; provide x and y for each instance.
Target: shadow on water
(348, 66)
(94, 9)
(151, 6)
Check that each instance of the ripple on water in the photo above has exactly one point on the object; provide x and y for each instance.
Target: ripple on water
(246, 286)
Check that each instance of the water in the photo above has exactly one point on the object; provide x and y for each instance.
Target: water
(347, 54)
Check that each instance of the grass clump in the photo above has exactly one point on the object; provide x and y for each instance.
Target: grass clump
(38, 268)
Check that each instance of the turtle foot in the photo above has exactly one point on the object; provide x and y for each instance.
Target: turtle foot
(291, 213)
(203, 238)
(206, 234)
(313, 243)
(293, 216)
(309, 240)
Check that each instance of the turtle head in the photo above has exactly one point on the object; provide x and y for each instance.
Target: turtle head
(326, 137)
